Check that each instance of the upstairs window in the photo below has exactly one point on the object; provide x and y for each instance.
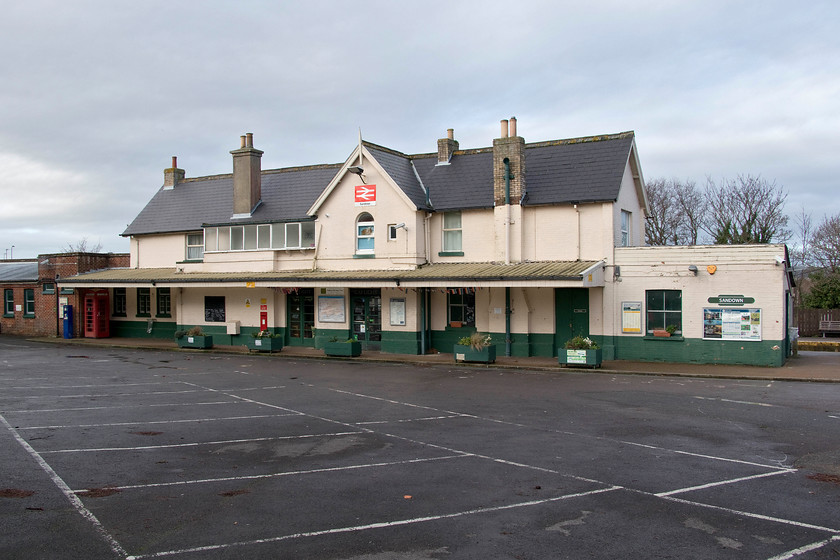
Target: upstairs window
(195, 246)
(452, 232)
(48, 288)
(625, 228)
(260, 237)
(364, 234)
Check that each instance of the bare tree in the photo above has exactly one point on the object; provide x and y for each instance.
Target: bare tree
(825, 244)
(689, 200)
(81, 246)
(745, 210)
(661, 225)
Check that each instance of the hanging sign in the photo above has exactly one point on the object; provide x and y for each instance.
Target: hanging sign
(365, 195)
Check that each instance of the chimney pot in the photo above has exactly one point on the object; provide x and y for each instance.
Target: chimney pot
(174, 162)
(249, 139)
(513, 126)
(504, 128)
(242, 141)
(450, 133)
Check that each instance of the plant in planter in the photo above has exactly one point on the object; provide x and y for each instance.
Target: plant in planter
(580, 351)
(666, 332)
(349, 348)
(194, 338)
(265, 341)
(475, 348)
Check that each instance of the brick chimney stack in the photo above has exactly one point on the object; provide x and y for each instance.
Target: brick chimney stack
(247, 177)
(509, 147)
(172, 175)
(446, 147)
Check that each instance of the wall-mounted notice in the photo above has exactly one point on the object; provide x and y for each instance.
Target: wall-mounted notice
(331, 309)
(631, 317)
(398, 312)
(731, 324)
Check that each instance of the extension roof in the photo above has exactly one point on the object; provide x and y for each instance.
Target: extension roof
(19, 271)
(577, 170)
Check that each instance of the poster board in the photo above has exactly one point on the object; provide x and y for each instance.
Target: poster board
(631, 317)
(398, 312)
(721, 323)
(331, 309)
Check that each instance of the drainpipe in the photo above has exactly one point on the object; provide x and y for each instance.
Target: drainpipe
(422, 320)
(507, 211)
(578, 230)
(507, 321)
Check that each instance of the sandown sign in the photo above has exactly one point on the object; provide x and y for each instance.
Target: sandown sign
(733, 300)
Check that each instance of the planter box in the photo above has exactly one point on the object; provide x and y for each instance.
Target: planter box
(349, 349)
(486, 355)
(591, 358)
(662, 333)
(202, 342)
(265, 344)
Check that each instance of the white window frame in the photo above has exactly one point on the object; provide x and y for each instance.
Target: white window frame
(459, 230)
(194, 245)
(626, 228)
(360, 223)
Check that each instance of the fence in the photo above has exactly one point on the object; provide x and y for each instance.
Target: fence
(808, 320)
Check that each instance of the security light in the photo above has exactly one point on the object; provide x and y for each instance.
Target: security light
(692, 268)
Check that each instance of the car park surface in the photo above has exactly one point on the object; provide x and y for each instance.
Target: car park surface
(127, 453)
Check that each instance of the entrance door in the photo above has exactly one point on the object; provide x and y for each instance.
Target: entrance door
(301, 317)
(97, 315)
(366, 306)
(571, 314)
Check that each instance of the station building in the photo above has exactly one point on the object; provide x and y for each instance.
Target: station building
(532, 243)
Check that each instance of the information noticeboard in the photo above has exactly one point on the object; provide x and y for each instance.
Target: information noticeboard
(631, 317)
(398, 312)
(721, 323)
(331, 309)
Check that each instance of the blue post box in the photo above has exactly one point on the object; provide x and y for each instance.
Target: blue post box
(67, 315)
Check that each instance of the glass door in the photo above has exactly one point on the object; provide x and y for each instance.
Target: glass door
(366, 307)
(300, 319)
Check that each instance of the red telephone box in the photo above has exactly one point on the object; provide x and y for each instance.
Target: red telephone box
(97, 315)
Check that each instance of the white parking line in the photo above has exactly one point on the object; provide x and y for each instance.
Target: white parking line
(803, 549)
(382, 525)
(71, 497)
(89, 386)
(123, 406)
(279, 474)
(426, 419)
(722, 483)
(735, 402)
(197, 444)
(99, 395)
(149, 422)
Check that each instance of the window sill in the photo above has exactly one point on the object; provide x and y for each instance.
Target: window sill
(5, 316)
(674, 338)
(451, 254)
(118, 315)
(190, 261)
(143, 315)
(26, 316)
(166, 316)
(365, 256)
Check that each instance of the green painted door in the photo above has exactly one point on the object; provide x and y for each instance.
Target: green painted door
(571, 313)
(300, 318)
(366, 307)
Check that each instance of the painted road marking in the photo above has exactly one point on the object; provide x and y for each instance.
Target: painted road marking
(99, 395)
(734, 401)
(722, 483)
(803, 549)
(381, 525)
(71, 497)
(279, 474)
(196, 444)
(147, 422)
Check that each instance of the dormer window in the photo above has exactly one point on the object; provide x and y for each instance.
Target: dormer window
(195, 246)
(260, 237)
(364, 234)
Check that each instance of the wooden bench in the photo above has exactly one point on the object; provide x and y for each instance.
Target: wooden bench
(829, 327)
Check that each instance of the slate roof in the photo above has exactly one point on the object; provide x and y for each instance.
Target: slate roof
(557, 172)
(19, 271)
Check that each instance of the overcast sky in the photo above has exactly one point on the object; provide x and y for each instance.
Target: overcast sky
(95, 97)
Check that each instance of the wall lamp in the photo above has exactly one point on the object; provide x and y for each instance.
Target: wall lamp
(401, 225)
(692, 269)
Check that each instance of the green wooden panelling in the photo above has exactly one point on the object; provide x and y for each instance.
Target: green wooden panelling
(768, 353)
(322, 336)
(400, 342)
(139, 329)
